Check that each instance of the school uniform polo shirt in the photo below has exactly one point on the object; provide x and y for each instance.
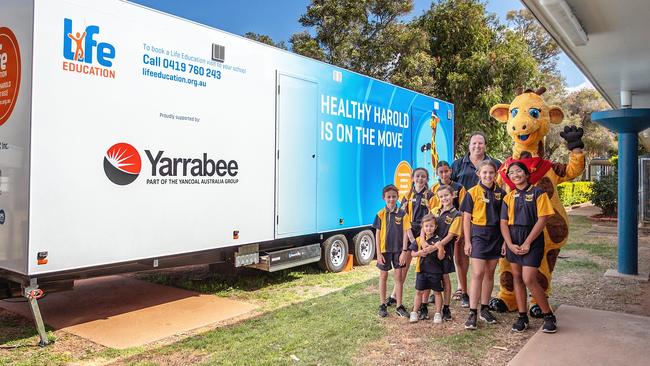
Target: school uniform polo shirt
(459, 194)
(430, 263)
(391, 226)
(464, 172)
(524, 207)
(484, 204)
(418, 205)
(448, 221)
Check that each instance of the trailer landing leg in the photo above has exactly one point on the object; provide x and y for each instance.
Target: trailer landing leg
(33, 293)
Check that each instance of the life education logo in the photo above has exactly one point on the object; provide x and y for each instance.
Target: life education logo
(122, 164)
(9, 73)
(86, 55)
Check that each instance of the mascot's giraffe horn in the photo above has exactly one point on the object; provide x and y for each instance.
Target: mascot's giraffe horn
(519, 90)
(540, 90)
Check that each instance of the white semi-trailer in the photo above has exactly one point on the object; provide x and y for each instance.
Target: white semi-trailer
(131, 139)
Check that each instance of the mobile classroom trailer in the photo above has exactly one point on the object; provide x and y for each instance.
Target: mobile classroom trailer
(131, 139)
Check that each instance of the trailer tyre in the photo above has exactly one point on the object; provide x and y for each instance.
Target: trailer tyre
(364, 248)
(334, 253)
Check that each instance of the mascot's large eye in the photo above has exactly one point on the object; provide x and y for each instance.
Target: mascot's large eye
(514, 112)
(534, 112)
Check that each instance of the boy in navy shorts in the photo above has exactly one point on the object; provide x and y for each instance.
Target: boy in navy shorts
(391, 238)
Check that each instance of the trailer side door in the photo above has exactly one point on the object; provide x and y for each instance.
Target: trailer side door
(297, 121)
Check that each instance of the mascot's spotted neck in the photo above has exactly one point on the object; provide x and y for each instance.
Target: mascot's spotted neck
(528, 120)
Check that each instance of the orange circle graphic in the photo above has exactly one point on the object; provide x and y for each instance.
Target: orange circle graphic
(9, 73)
(403, 178)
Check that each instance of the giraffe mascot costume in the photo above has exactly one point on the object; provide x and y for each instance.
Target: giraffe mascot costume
(528, 121)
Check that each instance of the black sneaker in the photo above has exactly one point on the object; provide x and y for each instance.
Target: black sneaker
(487, 316)
(550, 324)
(498, 305)
(464, 300)
(391, 301)
(383, 312)
(401, 311)
(446, 314)
(424, 312)
(471, 321)
(432, 299)
(536, 312)
(520, 325)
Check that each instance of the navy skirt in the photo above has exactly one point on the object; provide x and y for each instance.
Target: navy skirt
(486, 242)
(534, 256)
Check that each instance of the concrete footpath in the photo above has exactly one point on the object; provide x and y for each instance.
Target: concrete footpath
(585, 209)
(589, 337)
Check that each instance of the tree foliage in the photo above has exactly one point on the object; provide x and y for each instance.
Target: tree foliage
(578, 107)
(604, 192)
(542, 47)
(263, 38)
(478, 63)
(369, 37)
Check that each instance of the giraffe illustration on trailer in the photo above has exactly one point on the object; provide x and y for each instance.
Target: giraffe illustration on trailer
(434, 152)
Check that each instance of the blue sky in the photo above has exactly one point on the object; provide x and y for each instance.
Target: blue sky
(279, 19)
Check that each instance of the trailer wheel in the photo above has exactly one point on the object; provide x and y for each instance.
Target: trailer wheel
(334, 253)
(364, 248)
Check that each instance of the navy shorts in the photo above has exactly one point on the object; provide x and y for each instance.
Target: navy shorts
(428, 281)
(486, 242)
(448, 262)
(391, 260)
(448, 265)
(534, 256)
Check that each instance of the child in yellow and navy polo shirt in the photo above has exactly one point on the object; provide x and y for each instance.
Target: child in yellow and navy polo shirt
(428, 268)
(392, 225)
(524, 213)
(444, 173)
(483, 241)
(416, 205)
(449, 223)
(461, 260)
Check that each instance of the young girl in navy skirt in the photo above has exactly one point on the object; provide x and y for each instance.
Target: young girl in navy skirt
(524, 213)
(481, 209)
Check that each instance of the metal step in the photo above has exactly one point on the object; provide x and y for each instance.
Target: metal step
(287, 258)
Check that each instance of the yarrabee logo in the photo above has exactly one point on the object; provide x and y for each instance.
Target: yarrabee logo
(122, 163)
(9, 73)
(83, 51)
(122, 166)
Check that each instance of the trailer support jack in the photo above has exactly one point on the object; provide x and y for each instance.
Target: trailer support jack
(33, 293)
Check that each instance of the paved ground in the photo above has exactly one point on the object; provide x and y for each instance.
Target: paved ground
(589, 337)
(597, 337)
(121, 312)
(585, 209)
